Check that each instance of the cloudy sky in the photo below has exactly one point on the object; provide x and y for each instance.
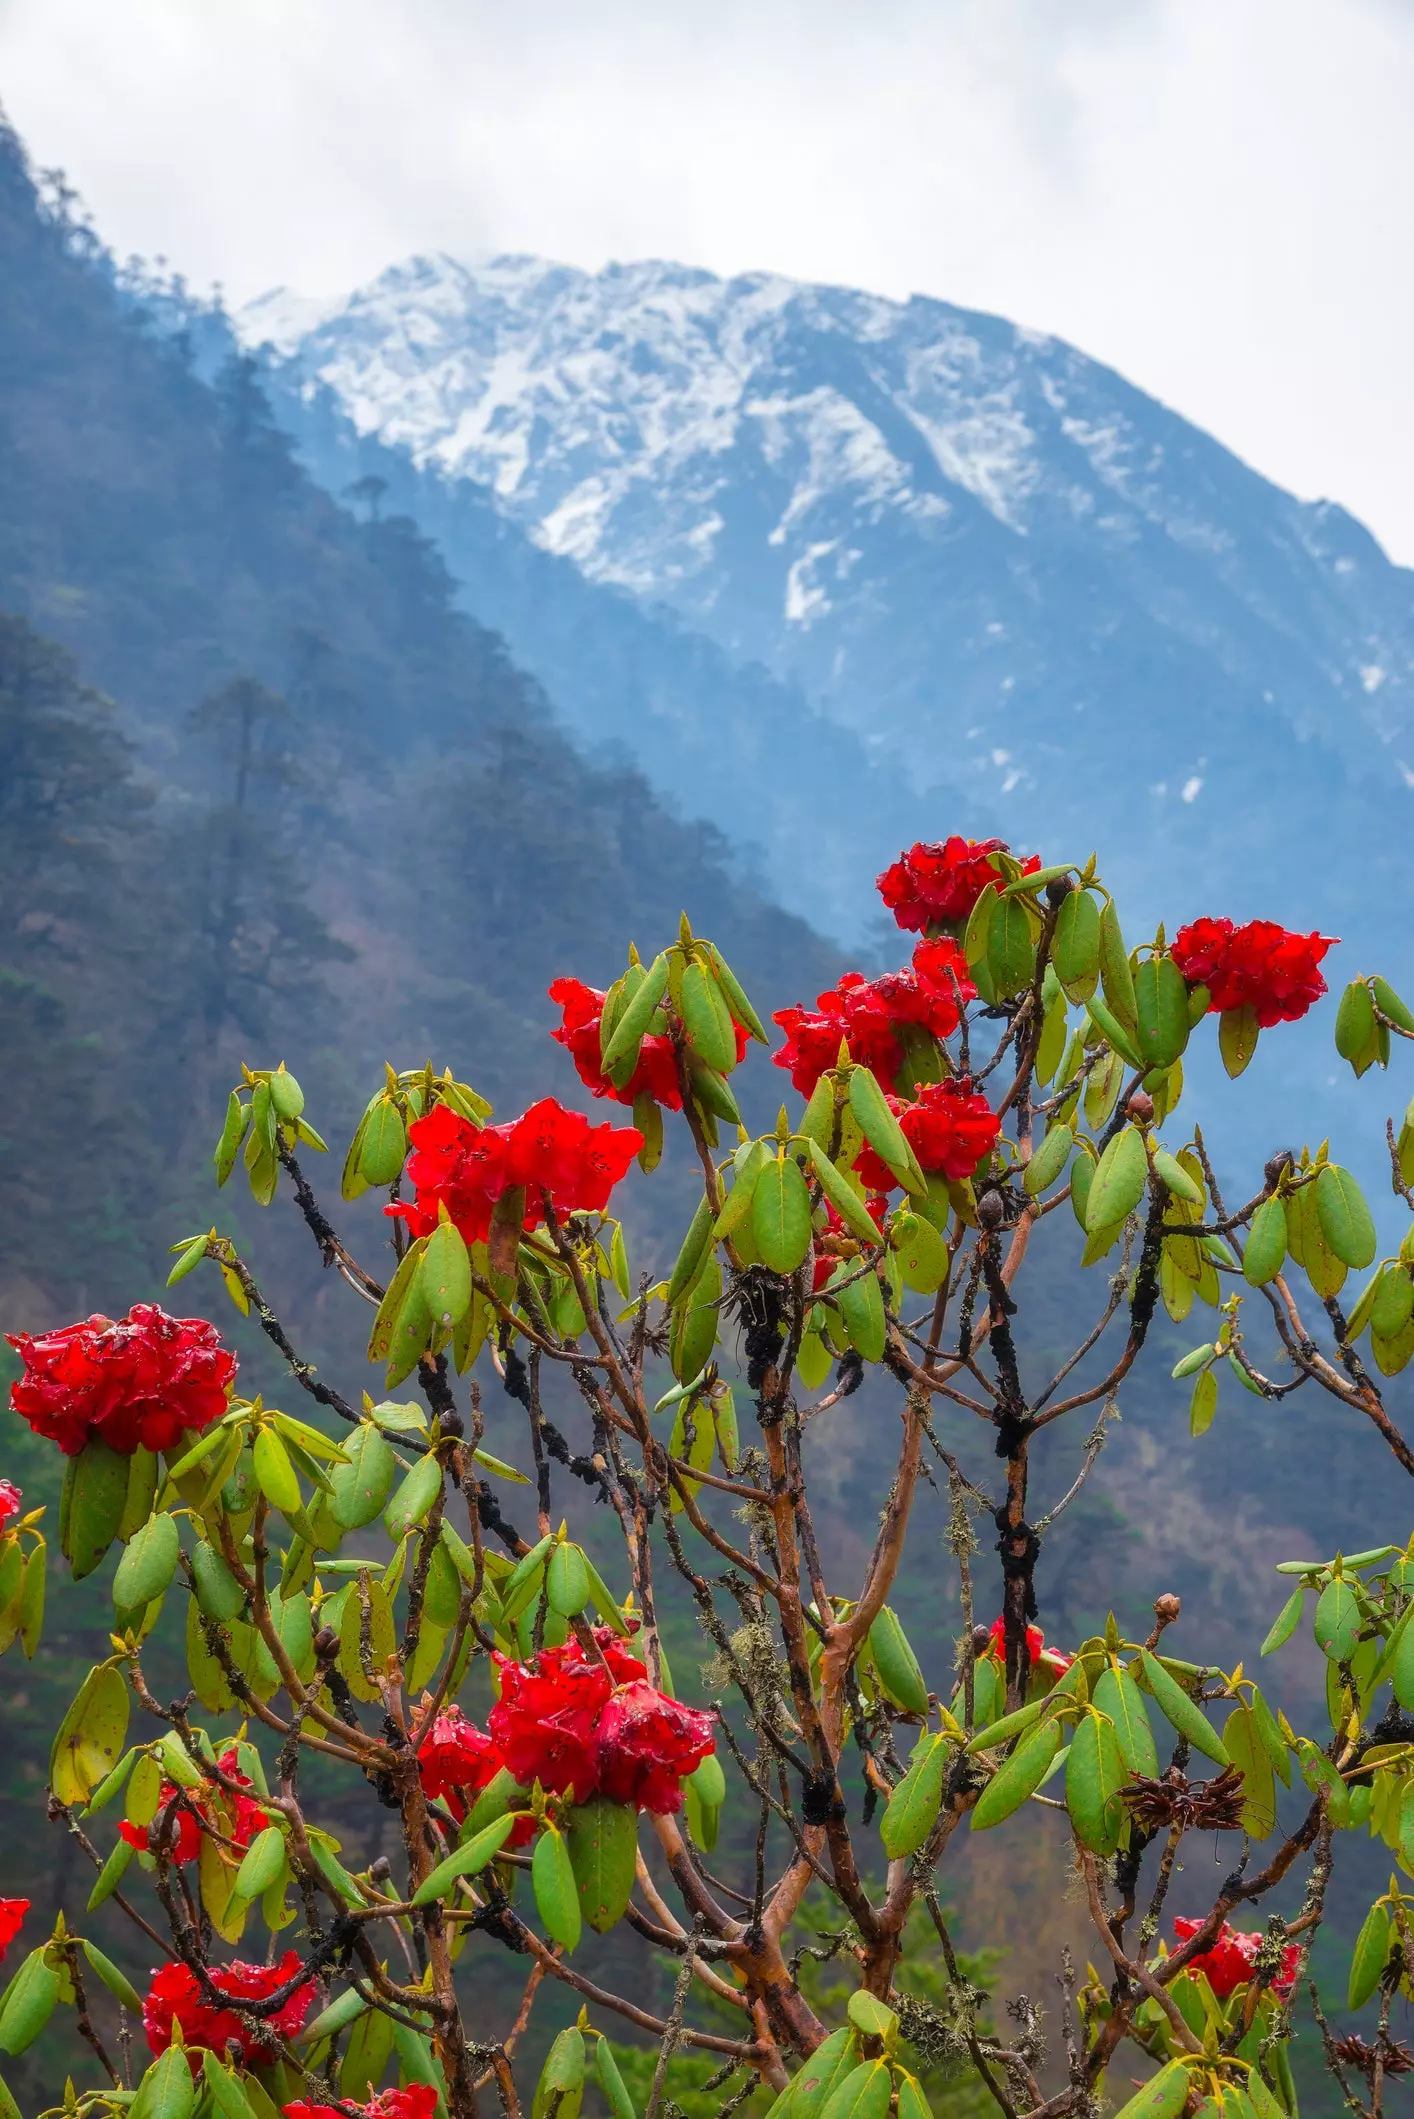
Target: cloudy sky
(1216, 196)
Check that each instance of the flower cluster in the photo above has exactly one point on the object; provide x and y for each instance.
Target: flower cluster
(550, 1151)
(12, 1918)
(1054, 1659)
(835, 1241)
(239, 1817)
(136, 1383)
(415, 2100)
(949, 1127)
(938, 884)
(1259, 965)
(9, 1503)
(873, 1016)
(176, 1997)
(656, 1074)
(585, 1728)
(456, 1760)
(1228, 1962)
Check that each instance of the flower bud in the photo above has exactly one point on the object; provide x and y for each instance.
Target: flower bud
(1140, 1106)
(326, 1644)
(1059, 889)
(451, 1423)
(1276, 1169)
(1167, 1608)
(991, 1210)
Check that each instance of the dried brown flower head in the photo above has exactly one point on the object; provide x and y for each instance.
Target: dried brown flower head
(1354, 2052)
(1207, 1806)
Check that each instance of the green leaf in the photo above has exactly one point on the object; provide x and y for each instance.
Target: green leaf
(1192, 1362)
(1161, 1005)
(1049, 1160)
(1119, 1181)
(1115, 1033)
(830, 2062)
(611, 2082)
(780, 1215)
(263, 1861)
(1075, 945)
(566, 1580)
(90, 1739)
(1338, 1619)
(1203, 1404)
(1175, 1179)
(843, 1197)
(1285, 1623)
(1162, 2097)
(1011, 953)
(737, 1001)
(362, 1486)
(110, 1875)
(695, 1324)
(620, 1056)
(861, 1305)
(872, 2017)
(1248, 1753)
(561, 2083)
(167, 2091)
(921, 1253)
(274, 1473)
(148, 1564)
(1094, 1775)
(602, 1838)
(864, 2093)
(1346, 1223)
(97, 1496)
(444, 1274)
(1186, 1717)
(1117, 1695)
(883, 1131)
(469, 1860)
(1357, 1034)
(1237, 1037)
(556, 1894)
(384, 1144)
(707, 1017)
(1115, 974)
(116, 1982)
(1370, 1957)
(693, 1252)
(896, 1665)
(412, 1503)
(1265, 1254)
(914, 1804)
(228, 1147)
(1019, 1778)
(29, 2003)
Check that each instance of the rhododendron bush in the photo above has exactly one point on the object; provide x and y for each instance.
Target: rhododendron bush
(371, 1598)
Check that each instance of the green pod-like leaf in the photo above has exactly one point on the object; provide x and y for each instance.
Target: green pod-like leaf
(412, 1503)
(1175, 1179)
(883, 1131)
(620, 1056)
(556, 1895)
(444, 1275)
(561, 2084)
(695, 1324)
(1163, 2096)
(1265, 1254)
(602, 1839)
(566, 1580)
(148, 1563)
(863, 2093)
(740, 1006)
(830, 2062)
(780, 1215)
(90, 1739)
(1115, 975)
(263, 1861)
(275, 1474)
(1117, 1695)
(1011, 952)
(1184, 1715)
(611, 2082)
(914, 1804)
(1370, 1957)
(228, 1147)
(117, 1983)
(469, 1860)
(1285, 1623)
(1203, 1403)
(1393, 1303)
(29, 2003)
(861, 1305)
(1075, 945)
(706, 1017)
(1338, 1619)
(218, 1592)
(1345, 1220)
(362, 1486)
(1019, 1777)
(694, 1250)
(1049, 1160)
(1246, 1750)
(1119, 1181)
(1161, 1011)
(110, 1875)
(384, 1146)
(97, 1497)
(1238, 1031)
(896, 1665)
(921, 1253)
(1094, 1775)
(167, 2091)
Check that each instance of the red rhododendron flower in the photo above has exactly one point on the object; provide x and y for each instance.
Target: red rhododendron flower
(237, 1817)
(1228, 1963)
(830, 1240)
(870, 1013)
(549, 1149)
(9, 1503)
(647, 1745)
(942, 881)
(12, 1919)
(456, 1755)
(949, 1128)
(1035, 1647)
(417, 2100)
(545, 1719)
(1260, 965)
(175, 1996)
(656, 1074)
(137, 1383)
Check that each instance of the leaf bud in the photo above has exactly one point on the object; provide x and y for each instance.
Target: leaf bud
(991, 1210)
(326, 1644)
(1059, 889)
(1276, 1169)
(451, 1423)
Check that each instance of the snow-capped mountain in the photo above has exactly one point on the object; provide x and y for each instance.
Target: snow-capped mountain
(990, 558)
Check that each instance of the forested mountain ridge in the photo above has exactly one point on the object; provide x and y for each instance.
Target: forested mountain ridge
(411, 849)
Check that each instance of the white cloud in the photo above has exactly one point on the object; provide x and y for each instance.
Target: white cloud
(1215, 199)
